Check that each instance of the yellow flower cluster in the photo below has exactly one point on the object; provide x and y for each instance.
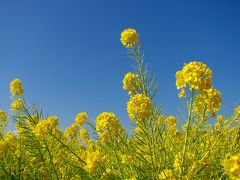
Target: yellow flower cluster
(92, 160)
(182, 93)
(45, 126)
(71, 130)
(196, 75)
(16, 88)
(81, 118)
(108, 125)
(84, 134)
(129, 37)
(17, 104)
(232, 166)
(6, 143)
(237, 110)
(208, 101)
(130, 82)
(170, 121)
(139, 107)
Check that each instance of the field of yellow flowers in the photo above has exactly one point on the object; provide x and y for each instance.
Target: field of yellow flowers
(155, 149)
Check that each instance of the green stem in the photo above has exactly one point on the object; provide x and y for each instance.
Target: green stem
(187, 131)
(137, 54)
(150, 149)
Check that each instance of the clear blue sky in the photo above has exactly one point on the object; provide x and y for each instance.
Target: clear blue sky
(69, 57)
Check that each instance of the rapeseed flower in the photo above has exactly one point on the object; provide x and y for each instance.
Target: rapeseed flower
(17, 104)
(196, 75)
(129, 37)
(71, 130)
(84, 134)
(81, 118)
(208, 101)
(16, 88)
(237, 110)
(130, 82)
(170, 121)
(232, 166)
(92, 159)
(45, 126)
(139, 107)
(108, 125)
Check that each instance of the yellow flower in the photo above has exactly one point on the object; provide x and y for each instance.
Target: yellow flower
(16, 88)
(71, 130)
(84, 134)
(10, 138)
(130, 82)
(17, 104)
(237, 110)
(232, 166)
(220, 119)
(129, 37)
(196, 75)
(92, 160)
(81, 118)
(53, 120)
(180, 82)
(209, 101)
(182, 93)
(108, 125)
(139, 107)
(170, 121)
(45, 126)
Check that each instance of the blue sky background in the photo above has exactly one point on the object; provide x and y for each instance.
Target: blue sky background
(69, 57)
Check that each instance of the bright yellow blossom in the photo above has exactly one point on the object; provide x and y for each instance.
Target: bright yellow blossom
(196, 75)
(130, 81)
(17, 104)
(237, 110)
(45, 126)
(232, 166)
(108, 125)
(92, 160)
(170, 121)
(208, 101)
(182, 93)
(139, 107)
(71, 130)
(129, 37)
(180, 82)
(84, 134)
(16, 88)
(81, 118)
